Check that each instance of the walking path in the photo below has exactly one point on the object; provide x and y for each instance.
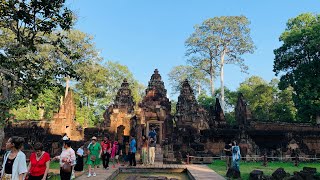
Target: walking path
(203, 172)
(198, 172)
(101, 174)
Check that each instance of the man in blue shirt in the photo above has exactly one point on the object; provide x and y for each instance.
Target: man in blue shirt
(152, 134)
(132, 152)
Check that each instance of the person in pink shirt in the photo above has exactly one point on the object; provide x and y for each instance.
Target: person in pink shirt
(114, 152)
(106, 152)
(67, 156)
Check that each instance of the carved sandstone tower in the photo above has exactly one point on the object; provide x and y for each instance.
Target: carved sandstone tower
(189, 113)
(64, 120)
(121, 112)
(155, 108)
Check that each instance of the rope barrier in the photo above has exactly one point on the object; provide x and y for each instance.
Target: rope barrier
(189, 158)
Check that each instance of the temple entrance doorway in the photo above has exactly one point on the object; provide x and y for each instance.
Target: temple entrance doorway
(158, 125)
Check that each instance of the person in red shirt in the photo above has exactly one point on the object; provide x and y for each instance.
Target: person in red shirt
(106, 152)
(39, 163)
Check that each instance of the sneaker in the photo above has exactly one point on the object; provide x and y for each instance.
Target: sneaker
(107, 168)
(94, 174)
(89, 175)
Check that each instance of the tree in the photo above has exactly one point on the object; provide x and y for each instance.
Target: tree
(98, 86)
(207, 102)
(116, 73)
(297, 61)
(196, 78)
(231, 98)
(201, 53)
(266, 101)
(25, 25)
(221, 40)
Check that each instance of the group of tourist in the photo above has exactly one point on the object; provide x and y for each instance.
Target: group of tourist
(104, 151)
(15, 166)
(233, 156)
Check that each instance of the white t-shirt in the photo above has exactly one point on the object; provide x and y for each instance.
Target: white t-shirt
(80, 151)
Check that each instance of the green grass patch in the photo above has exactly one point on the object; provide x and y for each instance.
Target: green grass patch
(56, 165)
(219, 166)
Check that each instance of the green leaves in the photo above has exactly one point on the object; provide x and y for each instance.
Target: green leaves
(266, 101)
(197, 79)
(219, 41)
(298, 62)
(29, 59)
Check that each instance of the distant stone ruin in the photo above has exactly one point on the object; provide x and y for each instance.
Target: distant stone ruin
(48, 132)
(64, 120)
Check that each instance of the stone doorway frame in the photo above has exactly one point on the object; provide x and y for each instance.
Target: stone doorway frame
(160, 123)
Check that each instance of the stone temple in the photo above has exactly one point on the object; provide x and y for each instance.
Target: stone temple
(191, 130)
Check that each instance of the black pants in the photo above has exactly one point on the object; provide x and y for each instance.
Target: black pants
(79, 165)
(132, 159)
(105, 160)
(65, 175)
(36, 177)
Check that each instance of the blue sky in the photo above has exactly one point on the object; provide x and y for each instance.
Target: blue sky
(145, 35)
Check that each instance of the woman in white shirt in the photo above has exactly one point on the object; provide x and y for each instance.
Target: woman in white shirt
(14, 165)
(67, 158)
(80, 154)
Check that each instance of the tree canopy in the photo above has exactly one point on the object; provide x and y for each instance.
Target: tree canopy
(266, 101)
(297, 61)
(197, 79)
(219, 41)
(25, 28)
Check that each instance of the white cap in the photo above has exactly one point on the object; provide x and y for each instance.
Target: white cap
(65, 138)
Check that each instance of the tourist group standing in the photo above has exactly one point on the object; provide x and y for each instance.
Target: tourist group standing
(233, 156)
(104, 151)
(14, 166)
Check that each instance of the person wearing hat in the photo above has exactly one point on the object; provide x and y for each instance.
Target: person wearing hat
(65, 137)
(94, 153)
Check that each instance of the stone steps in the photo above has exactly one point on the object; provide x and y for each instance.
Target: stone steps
(159, 155)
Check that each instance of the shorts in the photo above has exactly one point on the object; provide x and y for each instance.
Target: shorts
(6, 176)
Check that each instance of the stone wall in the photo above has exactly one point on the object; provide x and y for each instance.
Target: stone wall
(32, 134)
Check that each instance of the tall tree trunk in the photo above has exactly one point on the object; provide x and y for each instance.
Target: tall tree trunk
(67, 86)
(3, 109)
(222, 79)
(5, 89)
(61, 100)
(212, 79)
